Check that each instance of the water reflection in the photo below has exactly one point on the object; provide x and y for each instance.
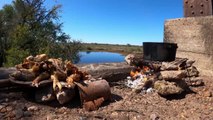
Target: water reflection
(100, 57)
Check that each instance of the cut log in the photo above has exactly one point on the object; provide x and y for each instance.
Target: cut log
(173, 75)
(23, 75)
(111, 72)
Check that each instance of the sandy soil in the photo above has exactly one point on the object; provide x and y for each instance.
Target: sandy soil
(126, 105)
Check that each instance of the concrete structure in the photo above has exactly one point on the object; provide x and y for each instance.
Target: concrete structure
(194, 36)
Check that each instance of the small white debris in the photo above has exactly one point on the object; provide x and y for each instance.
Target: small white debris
(150, 90)
(32, 108)
(137, 83)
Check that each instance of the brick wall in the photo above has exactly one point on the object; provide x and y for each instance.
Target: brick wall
(194, 36)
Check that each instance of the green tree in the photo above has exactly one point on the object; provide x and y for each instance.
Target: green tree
(28, 28)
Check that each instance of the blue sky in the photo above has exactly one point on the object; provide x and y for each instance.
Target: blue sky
(116, 21)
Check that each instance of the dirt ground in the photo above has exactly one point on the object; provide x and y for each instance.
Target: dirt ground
(126, 105)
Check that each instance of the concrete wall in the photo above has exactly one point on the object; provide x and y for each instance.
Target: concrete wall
(194, 36)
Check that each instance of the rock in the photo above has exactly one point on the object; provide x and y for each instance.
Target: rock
(165, 88)
(114, 114)
(154, 117)
(173, 75)
(137, 90)
(1, 107)
(180, 83)
(10, 115)
(168, 66)
(32, 108)
(3, 110)
(19, 113)
(14, 103)
(49, 117)
(6, 100)
(27, 114)
(21, 106)
(194, 81)
(83, 118)
(129, 58)
(207, 94)
(62, 110)
(192, 72)
(1, 115)
(9, 108)
(138, 117)
(52, 117)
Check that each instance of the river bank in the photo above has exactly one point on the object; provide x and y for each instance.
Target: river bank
(122, 49)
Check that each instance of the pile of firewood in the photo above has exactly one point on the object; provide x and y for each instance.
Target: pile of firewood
(65, 77)
(167, 78)
(41, 67)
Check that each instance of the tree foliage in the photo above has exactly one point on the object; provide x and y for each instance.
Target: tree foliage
(27, 27)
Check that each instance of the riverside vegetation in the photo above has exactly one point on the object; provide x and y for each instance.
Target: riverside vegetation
(123, 49)
(27, 27)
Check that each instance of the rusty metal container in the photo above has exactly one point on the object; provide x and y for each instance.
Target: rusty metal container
(93, 94)
(93, 90)
(194, 8)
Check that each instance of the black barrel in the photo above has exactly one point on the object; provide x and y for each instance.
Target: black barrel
(159, 51)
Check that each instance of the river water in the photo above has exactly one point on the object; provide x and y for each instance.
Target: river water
(100, 57)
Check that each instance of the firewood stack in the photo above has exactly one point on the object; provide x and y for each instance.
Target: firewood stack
(167, 78)
(40, 67)
(65, 77)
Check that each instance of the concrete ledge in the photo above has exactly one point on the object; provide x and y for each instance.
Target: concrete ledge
(194, 36)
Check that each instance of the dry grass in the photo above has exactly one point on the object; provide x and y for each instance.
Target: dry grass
(123, 49)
